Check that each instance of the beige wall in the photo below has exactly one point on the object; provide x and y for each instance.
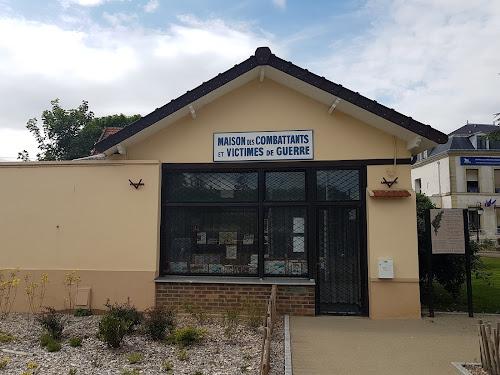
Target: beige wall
(392, 234)
(83, 216)
(261, 106)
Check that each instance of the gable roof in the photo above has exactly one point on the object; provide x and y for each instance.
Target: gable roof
(265, 64)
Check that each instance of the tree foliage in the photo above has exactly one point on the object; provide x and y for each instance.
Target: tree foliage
(448, 270)
(68, 134)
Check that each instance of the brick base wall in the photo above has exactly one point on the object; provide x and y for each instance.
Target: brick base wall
(293, 300)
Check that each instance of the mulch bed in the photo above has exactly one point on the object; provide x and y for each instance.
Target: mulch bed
(216, 355)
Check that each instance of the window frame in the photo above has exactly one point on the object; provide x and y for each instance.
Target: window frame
(310, 203)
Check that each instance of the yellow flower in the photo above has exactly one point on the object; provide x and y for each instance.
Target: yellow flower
(15, 282)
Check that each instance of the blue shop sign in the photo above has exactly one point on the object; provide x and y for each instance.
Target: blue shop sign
(479, 160)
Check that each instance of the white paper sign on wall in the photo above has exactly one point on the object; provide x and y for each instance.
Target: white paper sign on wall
(262, 146)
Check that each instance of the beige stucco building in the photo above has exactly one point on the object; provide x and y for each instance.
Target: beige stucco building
(266, 174)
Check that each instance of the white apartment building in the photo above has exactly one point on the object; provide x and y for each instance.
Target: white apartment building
(464, 173)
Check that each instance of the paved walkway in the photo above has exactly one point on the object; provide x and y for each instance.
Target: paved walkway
(327, 345)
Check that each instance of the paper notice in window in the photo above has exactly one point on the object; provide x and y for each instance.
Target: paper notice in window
(298, 225)
(298, 244)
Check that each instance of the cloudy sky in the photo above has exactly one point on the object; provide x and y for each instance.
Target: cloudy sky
(434, 60)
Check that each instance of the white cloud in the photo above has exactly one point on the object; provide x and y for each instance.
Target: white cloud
(151, 6)
(280, 3)
(433, 60)
(119, 69)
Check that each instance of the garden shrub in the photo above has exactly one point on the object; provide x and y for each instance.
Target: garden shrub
(75, 341)
(157, 320)
(3, 362)
(187, 336)
(83, 312)
(230, 320)
(134, 358)
(5, 337)
(52, 322)
(112, 330)
(125, 312)
(53, 346)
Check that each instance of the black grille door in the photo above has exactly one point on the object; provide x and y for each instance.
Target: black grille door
(339, 273)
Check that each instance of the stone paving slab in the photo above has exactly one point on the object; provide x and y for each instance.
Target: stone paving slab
(352, 345)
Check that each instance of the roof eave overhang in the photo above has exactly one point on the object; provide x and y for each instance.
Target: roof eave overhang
(418, 136)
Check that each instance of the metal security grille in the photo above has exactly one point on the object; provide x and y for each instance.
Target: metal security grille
(286, 186)
(338, 185)
(212, 240)
(211, 187)
(285, 241)
(339, 261)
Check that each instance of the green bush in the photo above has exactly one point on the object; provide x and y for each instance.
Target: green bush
(45, 339)
(187, 336)
(112, 330)
(129, 372)
(53, 346)
(75, 341)
(125, 312)
(52, 321)
(5, 337)
(3, 362)
(158, 320)
(134, 358)
(83, 312)
(230, 320)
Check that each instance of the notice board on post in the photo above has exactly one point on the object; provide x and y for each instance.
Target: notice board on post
(447, 231)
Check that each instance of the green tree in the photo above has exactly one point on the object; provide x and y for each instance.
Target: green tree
(448, 270)
(68, 134)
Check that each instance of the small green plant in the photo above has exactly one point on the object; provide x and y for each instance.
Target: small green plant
(112, 330)
(71, 282)
(187, 336)
(158, 320)
(52, 321)
(230, 320)
(247, 356)
(83, 312)
(167, 365)
(3, 362)
(5, 337)
(75, 342)
(198, 373)
(129, 372)
(53, 346)
(32, 365)
(254, 313)
(45, 339)
(8, 292)
(72, 371)
(196, 312)
(125, 312)
(35, 291)
(26, 373)
(182, 355)
(134, 358)
(244, 368)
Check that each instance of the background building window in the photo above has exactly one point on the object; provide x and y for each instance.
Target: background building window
(418, 185)
(472, 178)
(497, 180)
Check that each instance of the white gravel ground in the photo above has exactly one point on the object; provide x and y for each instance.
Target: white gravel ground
(217, 355)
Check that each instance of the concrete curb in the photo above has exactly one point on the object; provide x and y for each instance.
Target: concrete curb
(288, 347)
(462, 369)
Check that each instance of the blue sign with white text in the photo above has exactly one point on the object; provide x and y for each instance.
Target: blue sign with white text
(479, 160)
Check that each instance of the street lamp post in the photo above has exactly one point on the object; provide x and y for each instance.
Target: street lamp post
(479, 213)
